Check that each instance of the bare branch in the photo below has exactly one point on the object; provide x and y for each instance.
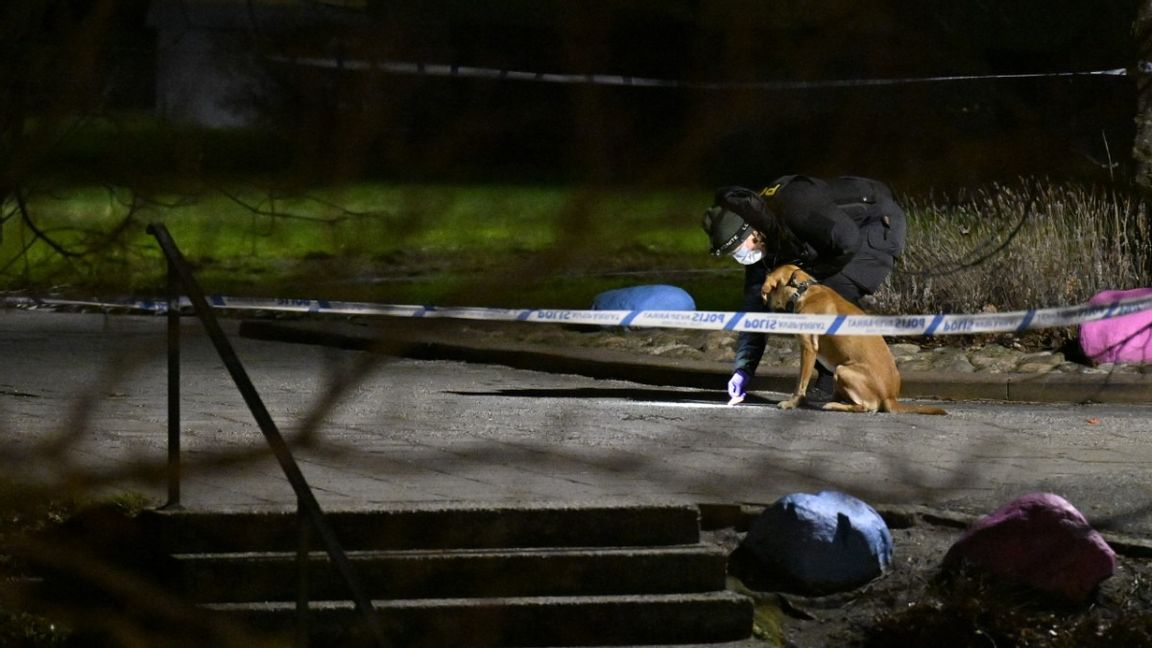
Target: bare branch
(26, 216)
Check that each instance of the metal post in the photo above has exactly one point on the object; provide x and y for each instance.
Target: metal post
(303, 580)
(306, 499)
(173, 388)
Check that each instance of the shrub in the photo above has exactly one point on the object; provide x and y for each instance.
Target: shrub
(1033, 244)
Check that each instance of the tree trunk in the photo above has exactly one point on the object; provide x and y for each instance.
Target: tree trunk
(1142, 149)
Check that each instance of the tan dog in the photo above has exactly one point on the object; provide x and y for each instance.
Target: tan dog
(866, 376)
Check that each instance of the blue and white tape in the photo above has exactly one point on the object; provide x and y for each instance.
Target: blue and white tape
(776, 323)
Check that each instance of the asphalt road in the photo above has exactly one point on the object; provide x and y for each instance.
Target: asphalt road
(82, 403)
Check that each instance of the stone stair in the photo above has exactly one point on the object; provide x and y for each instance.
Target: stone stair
(452, 576)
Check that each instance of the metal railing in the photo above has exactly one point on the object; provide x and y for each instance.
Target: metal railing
(309, 514)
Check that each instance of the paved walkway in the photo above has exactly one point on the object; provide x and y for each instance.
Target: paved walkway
(83, 402)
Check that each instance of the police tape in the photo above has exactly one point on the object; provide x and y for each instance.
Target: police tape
(755, 322)
(450, 70)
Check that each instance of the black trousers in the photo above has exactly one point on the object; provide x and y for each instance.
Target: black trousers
(847, 288)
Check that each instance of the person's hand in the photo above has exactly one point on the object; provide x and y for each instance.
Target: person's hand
(737, 387)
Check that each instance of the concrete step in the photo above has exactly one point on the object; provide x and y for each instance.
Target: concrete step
(438, 527)
(442, 576)
(239, 577)
(521, 621)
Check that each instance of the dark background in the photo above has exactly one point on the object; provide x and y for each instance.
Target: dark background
(323, 124)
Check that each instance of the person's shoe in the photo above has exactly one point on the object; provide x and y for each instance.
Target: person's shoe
(821, 389)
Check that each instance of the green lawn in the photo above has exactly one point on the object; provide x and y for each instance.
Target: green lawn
(1028, 245)
(514, 246)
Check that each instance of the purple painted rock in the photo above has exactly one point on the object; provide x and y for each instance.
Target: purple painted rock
(1040, 541)
(1120, 339)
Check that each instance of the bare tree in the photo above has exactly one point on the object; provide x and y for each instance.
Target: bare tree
(50, 82)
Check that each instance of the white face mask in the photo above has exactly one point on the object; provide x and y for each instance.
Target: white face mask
(748, 256)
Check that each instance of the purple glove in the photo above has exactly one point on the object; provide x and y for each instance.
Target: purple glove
(738, 386)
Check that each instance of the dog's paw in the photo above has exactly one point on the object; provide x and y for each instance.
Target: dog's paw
(791, 403)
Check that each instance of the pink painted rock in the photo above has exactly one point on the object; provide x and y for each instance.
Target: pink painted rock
(1041, 541)
(1120, 339)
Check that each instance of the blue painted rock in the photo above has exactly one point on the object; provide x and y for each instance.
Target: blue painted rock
(1039, 541)
(819, 544)
(646, 297)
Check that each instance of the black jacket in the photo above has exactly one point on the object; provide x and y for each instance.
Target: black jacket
(846, 233)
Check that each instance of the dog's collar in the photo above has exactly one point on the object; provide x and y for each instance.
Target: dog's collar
(801, 288)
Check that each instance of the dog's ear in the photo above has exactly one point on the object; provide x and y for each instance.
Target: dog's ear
(774, 281)
(776, 278)
(800, 276)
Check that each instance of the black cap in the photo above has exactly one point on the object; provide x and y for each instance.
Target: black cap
(726, 229)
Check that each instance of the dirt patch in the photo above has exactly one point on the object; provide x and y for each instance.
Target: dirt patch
(913, 605)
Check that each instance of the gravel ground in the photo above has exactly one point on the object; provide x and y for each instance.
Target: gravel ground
(908, 606)
(911, 605)
(1034, 353)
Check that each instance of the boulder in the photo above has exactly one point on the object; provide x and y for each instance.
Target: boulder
(818, 544)
(1039, 541)
(644, 297)
(1126, 339)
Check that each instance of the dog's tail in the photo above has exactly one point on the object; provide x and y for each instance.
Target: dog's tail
(892, 405)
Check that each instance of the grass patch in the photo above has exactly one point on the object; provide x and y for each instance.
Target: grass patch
(407, 244)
